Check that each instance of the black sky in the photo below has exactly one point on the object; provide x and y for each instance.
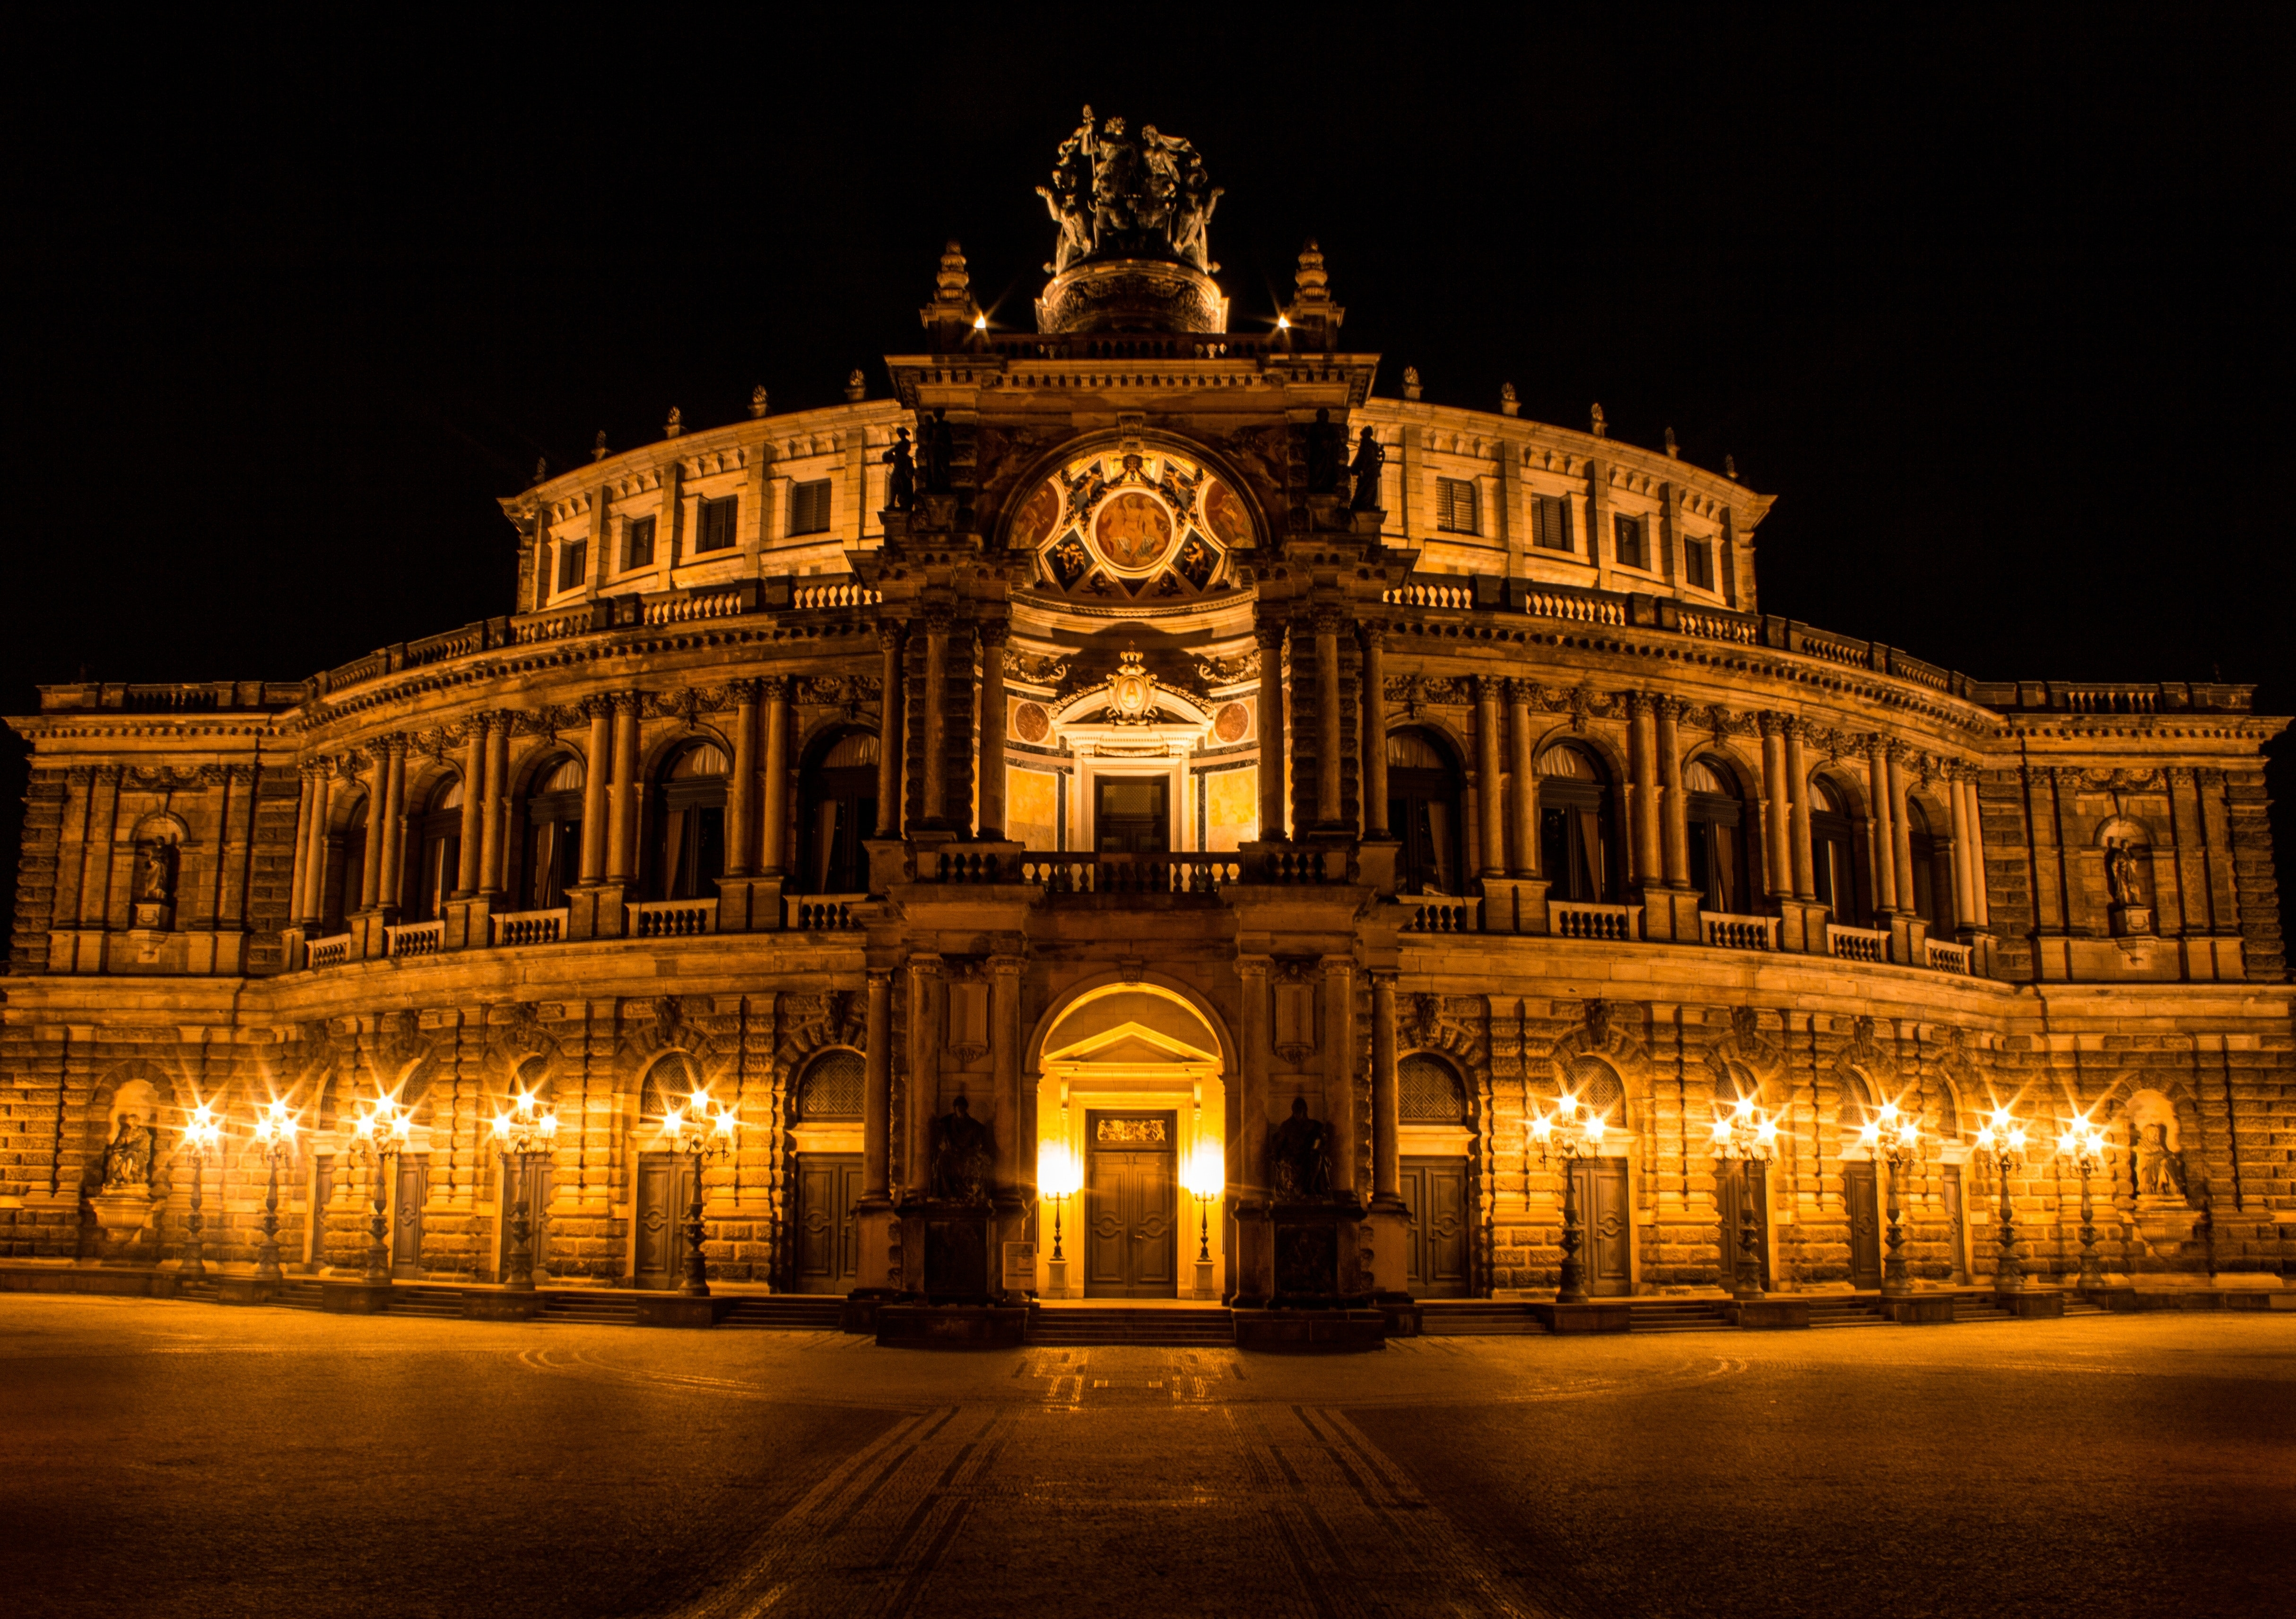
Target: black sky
(1993, 301)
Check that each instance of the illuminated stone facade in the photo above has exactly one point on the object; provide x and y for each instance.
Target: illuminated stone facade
(1211, 781)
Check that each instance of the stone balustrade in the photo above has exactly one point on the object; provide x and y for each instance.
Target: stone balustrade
(673, 918)
(413, 939)
(1726, 931)
(1582, 919)
(1857, 943)
(528, 927)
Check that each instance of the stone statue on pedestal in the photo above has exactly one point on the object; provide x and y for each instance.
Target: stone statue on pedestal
(1370, 461)
(1301, 1156)
(2160, 1167)
(2121, 873)
(127, 1157)
(964, 1158)
(901, 476)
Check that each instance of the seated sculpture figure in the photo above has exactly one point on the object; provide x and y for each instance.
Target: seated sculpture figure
(1300, 1156)
(963, 1158)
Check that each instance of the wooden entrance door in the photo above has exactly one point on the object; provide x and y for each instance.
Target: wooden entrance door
(1130, 815)
(665, 1193)
(533, 1185)
(1858, 1191)
(1737, 1185)
(322, 1193)
(828, 1252)
(1956, 1235)
(1436, 1190)
(1131, 1222)
(1606, 1225)
(407, 1223)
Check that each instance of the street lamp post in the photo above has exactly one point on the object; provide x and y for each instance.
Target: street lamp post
(526, 1130)
(2004, 1136)
(1743, 1137)
(706, 1135)
(1896, 1137)
(1568, 1135)
(1057, 1180)
(275, 1135)
(1207, 1181)
(200, 1134)
(379, 1132)
(2086, 1146)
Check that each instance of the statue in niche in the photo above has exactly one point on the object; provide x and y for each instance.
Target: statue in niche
(1370, 461)
(128, 1156)
(963, 1156)
(901, 476)
(941, 454)
(1326, 447)
(2121, 873)
(2160, 1167)
(155, 883)
(1300, 1154)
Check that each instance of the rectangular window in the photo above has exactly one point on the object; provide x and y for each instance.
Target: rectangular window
(717, 525)
(1627, 534)
(809, 507)
(637, 543)
(573, 562)
(1454, 506)
(1550, 521)
(1698, 564)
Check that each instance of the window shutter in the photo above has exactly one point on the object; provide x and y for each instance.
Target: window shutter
(1627, 533)
(717, 524)
(1698, 563)
(637, 543)
(1454, 506)
(809, 507)
(573, 562)
(1551, 522)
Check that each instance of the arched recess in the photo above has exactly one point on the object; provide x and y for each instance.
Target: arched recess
(1130, 1078)
(1580, 851)
(1838, 849)
(433, 846)
(549, 847)
(662, 1186)
(1724, 865)
(2154, 1124)
(1436, 1140)
(836, 812)
(341, 889)
(1426, 798)
(824, 1173)
(686, 849)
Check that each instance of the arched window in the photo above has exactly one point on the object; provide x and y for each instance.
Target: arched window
(690, 830)
(830, 1090)
(1577, 837)
(669, 1083)
(1927, 886)
(347, 867)
(1424, 784)
(1834, 854)
(553, 852)
(1719, 867)
(437, 835)
(1856, 1102)
(1428, 1091)
(1598, 1088)
(837, 809)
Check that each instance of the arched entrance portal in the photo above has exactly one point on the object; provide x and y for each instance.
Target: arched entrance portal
(1130, 1083)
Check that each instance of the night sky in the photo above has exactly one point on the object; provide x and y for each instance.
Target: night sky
(1995, 304)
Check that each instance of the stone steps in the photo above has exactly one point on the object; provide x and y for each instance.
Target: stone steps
(1677, 1315)
(599, 1308)
(1847, 1309)
(1477, 1319)
(436, 1304)
(1116, 1324)
(298, 1296)
(787, 1313)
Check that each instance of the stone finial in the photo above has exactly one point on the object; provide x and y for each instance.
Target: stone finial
(542, 469)
(758, 400)
(1311, 304)
(1411, 388)
(675, 425)
(1509, 404)
(856, 387)
(952, 304)
(598, 451)
(1673, 450)
(1730, 468)
(1601, 427)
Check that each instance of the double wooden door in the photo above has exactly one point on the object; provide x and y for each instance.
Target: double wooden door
(322, 1193)
(1435, 1190)
(828, 1252)
(406, 1225)
(1861, 1192)
(1957, 1214)
(1739, 1186)
(665, 1193)
(531, 1185)
(1606, 1225)
(1131, 1224)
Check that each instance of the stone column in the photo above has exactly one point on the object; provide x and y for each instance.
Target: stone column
(1489, 770)
(888, 737)
(1957, 808)
(774, 801)
(622, 793)
(935, 771)
(742, 791)
(1016, 1156)
(1805, 882)
(1674, 809)
(596, 769)
(1374, 730)
(1980, 909)
(1328, 810)
(496, 826)
(370, 866)
(1386, 1110)
(1247, 1153)
(1526, 779)
(1777, 807)
(1901, 840)
(927, 1037)
(315, 877)
(1339, 1068)
(1881, 831)
(394, 823)
(994, 633)
(1269, 634)
(298, 883)
(1641, 747)
(877, 1088)
(475, 792)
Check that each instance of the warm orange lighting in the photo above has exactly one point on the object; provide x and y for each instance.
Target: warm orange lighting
(1206, 1171)
(1722, 1128)
(1057, 1172)
(980, 323)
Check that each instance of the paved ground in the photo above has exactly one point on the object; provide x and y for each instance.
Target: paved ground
(164, 1459)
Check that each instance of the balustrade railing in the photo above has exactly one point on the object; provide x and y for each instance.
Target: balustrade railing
(701, 605)
(528, 927)
(1583, 919)
(846, 593)
(1857, 943)
(1146, 874)
(1726, 931)
(1440, 914)
(821, 913)
(673, 918)
(1715, 627)
(1577, 607)
(413, 939)
(332, 951)
(1431, 595)
(1948, 958)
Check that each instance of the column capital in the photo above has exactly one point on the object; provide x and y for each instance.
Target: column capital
(1523, 692)
(1329, 620)
(1671, 709)
(1007, 966)
(995, 632)
(1771, 723)
(627, 702)
(395, 744)
(1372, 633)
(1252, 967)
(1268, 632)
(598, 705)
(891, 633)
(1639, 703)
(938, 619)
(1382, 979)
(925, 964)
(878, 978)
(742, 691)
(773, 688)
